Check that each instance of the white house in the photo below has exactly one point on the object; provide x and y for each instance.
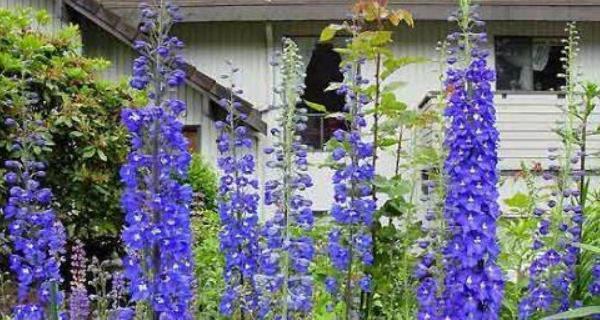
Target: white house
(524, 38)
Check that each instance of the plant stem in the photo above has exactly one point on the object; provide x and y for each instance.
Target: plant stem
(53, 304)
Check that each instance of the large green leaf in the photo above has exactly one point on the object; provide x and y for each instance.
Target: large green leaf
(329, 32)
(316, 106)
(588, 247)
(575, 313)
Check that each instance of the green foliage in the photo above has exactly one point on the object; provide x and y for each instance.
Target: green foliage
(576, 313)
(324, 307)
(589, 253)
(210, 264)
(203, 179)
(515, 256)
(86, 141)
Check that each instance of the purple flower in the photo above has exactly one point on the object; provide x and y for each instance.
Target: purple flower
(79, 303)
(36, 235)
(471, 291)
(238, 211)
(350, 244)
(553, 269)
(157, 236)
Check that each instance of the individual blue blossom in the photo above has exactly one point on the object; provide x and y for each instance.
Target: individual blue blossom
(238, 211)
(36, 236)
(158, 263)
(287, 251)
(594, 287)
(473, 283)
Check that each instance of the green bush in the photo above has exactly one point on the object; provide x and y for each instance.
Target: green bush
(209, 264)
(203, 179)
(45, 73)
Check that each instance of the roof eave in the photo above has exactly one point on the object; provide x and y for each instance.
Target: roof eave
(122, 30)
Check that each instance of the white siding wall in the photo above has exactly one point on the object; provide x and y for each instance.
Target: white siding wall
(98, 43)
(525, 122)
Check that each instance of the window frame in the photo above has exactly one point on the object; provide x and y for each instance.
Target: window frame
(321, 116)
(495, 38)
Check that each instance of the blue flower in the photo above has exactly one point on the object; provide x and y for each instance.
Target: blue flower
(287, 283)
(36, 235)
(471, 209)
(238, 211)
(157, 234)
(350, 244)
(552, 271)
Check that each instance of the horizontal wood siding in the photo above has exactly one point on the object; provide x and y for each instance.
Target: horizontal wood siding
(97, 43)
(210, 45)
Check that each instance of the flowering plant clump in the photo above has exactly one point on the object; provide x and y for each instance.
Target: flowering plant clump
(473, 285)
(79, 302)
(560, 220)
(238, 208)
(350, 241)
(288, 250)
(157, 235)
(36, 235)
(429, 271)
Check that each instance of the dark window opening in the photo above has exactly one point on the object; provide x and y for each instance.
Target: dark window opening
(322, 70)
(192, 133)
(529, 64)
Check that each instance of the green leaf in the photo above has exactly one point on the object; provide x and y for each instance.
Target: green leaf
(394, 85)
(76, 134)
(89, 152)
(588, 247)
(102, 155)
(575, 313)
(329, 32)
(519, 200)
(316, 106)
(393, 64)
(333, 86)
(42, 17)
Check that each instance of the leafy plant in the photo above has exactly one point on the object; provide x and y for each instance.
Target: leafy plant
(209, 263)
(203, 179)
(85, 142)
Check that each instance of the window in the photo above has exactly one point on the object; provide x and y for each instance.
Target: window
(528, 64)
(192, 133)
(322, 69)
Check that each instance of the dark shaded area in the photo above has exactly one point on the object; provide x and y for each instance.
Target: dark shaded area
(515, 60)
(323, 69)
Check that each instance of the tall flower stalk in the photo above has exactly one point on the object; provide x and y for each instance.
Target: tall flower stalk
(238, 209)
(473, 285)
(350, 240)
(157, 236)
(288, 250)
(79, 302)
(36, 235)
(429, 271)
(552, 271)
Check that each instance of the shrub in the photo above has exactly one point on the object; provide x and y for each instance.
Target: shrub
(85, 142)
(203, 179)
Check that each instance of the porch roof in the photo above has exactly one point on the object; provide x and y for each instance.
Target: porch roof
(280, 10)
